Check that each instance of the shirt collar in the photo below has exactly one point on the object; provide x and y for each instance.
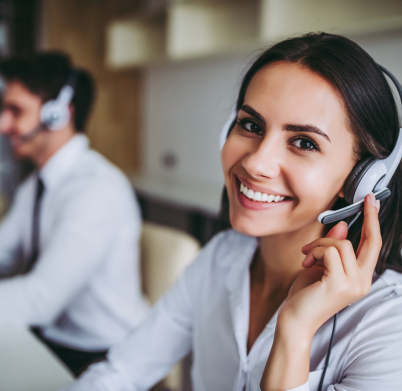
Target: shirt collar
(236, 257)
(62, 162)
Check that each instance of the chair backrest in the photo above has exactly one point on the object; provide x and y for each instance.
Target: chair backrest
(165, 253)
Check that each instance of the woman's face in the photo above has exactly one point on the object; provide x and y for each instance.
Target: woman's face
(291, 143)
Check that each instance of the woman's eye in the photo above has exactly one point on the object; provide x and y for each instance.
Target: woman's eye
(305, 144)
(250, 126)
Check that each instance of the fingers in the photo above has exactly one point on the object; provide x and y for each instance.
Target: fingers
(314, 257)
(325, 256)
(344, 249)
(339, 231)
(369, 247)
(371, 241)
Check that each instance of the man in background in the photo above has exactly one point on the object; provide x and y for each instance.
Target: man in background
(69, 244)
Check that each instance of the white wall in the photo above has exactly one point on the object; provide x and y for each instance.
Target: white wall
(187, 103)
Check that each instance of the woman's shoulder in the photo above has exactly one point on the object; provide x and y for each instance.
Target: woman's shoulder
(392, 278)
(375, 349)
(382, 307)
(386, 295)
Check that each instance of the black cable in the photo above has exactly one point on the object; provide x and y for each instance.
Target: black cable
(333, 327)
(329, 353)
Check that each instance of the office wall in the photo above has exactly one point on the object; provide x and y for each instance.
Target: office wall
(187, 103)
(176, 109)
(78, 27)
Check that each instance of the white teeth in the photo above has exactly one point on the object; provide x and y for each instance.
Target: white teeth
(258, 196)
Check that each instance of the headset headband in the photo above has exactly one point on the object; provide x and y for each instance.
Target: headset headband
(55, 113)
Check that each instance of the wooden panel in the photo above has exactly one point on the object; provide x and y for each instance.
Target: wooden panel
(205, 28)
(78, 28)
(282, 18)
(145, 37)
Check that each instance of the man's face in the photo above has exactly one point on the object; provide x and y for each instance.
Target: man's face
(20, 115)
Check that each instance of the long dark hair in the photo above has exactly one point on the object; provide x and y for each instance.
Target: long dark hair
(372, 115)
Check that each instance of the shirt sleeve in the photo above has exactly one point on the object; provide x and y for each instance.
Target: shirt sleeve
(373, 361)
(151, 350)
(82, 232)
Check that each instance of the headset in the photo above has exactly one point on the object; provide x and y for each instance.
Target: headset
(368, 175)
(55, 113)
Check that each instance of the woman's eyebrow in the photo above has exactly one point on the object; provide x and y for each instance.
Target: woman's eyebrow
(251, 111)
(289, 127)
(305, 128)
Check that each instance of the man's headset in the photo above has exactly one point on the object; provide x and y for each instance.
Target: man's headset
(368, 175)
(55, 113)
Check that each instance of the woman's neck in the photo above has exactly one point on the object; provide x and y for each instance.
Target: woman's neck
(280, 257)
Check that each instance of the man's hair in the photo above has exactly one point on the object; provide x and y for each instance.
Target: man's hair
(45, 73)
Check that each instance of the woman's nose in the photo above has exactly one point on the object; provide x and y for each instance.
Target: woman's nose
(265, 160)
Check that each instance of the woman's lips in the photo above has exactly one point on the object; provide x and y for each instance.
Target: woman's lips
(256, 200)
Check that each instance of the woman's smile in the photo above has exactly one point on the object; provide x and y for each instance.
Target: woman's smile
(256, 198)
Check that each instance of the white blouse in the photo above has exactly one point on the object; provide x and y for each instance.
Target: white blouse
(207, 312)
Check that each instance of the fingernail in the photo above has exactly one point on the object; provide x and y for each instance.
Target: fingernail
(378, 204)
(372, 199)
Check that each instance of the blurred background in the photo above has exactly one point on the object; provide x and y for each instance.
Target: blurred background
(167, 75)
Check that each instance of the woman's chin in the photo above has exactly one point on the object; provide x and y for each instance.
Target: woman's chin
(252, 228)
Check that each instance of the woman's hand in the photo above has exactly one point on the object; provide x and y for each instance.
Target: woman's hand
(334, 278)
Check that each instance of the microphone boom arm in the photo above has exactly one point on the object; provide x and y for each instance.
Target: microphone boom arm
(331, 216)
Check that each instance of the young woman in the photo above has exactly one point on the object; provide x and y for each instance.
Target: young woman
(256, 307)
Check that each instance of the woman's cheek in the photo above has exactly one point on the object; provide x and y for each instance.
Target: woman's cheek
(232, 153)
(312, 186)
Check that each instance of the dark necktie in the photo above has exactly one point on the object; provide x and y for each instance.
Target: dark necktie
(35, 226)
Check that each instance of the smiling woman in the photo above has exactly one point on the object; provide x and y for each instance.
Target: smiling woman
(255, 307)
(366, 110)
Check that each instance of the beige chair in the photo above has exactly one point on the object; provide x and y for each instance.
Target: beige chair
(165, 253)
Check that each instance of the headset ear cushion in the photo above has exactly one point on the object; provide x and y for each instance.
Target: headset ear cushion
(354, 178)
(54, 115)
